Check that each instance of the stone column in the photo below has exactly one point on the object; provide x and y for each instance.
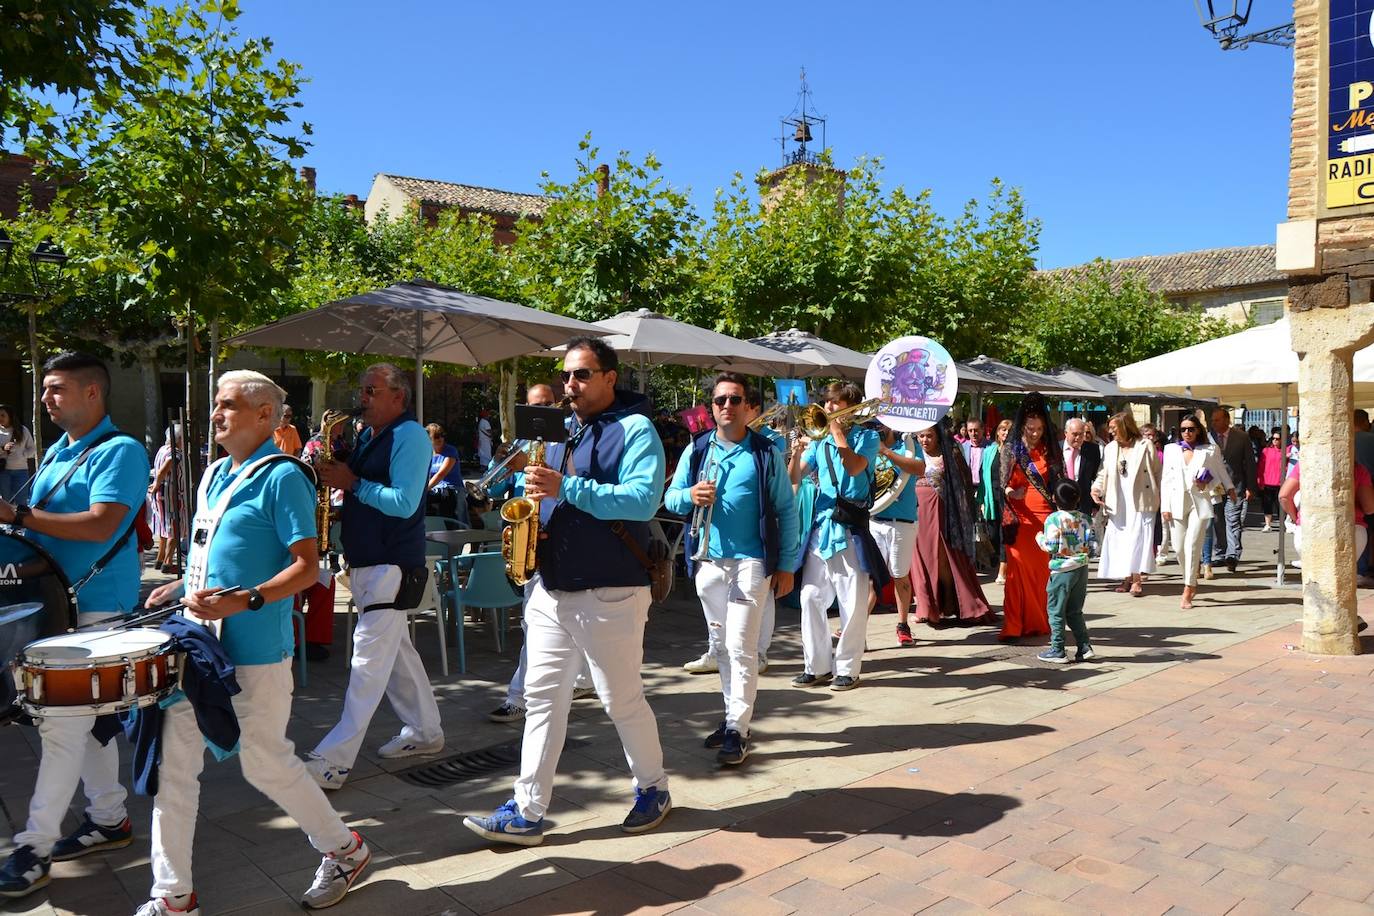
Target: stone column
(1325, 340)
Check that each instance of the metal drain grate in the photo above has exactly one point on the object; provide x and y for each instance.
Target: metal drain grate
(470, 765)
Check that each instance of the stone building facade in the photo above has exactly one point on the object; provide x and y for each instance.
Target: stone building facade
(397, 195)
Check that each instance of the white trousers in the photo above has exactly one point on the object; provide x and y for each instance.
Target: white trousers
(1189, 533)
(515, 693)
(70, 756)
(897, 542)
(269, 763)
(824, 581)
(767, 620)
(606, 627)
(732, 597)
(384, 663)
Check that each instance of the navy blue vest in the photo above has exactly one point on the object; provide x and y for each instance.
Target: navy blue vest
(370, 536)
(581, 551)
(766, 465)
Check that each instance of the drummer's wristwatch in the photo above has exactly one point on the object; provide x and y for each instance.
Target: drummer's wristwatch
(21, 512)
(255, 599)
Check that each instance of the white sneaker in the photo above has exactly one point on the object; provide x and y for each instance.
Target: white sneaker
(159, 906)
(763, 663)
(581, 693)
(704, 665)
(325, 774)
(401, 746)
(337, 874)
(1267, 528)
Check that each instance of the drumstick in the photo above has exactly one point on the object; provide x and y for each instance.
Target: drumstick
(120, 622)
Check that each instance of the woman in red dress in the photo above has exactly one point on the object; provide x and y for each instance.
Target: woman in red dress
(1031, 464)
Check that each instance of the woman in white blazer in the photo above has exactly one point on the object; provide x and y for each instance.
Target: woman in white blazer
(1127, 488)
(1193, 470)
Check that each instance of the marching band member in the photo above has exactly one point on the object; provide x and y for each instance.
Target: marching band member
(383, 534)
(752, 546)
(79, 511)
(513, 709)
(591, 596)
(838, 563)
(708, 663)
(254, 526)
(894, 528)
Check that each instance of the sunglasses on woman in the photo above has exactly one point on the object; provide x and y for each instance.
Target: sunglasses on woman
(582, 375)
(734, 400)
(1123, 467)
(1187, 429)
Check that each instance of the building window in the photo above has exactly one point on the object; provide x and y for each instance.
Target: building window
(1265, 311)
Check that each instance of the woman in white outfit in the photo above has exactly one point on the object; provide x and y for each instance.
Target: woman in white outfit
(1193, 471)
(1127, 488)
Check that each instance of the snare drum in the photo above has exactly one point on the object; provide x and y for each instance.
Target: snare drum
(97, 672)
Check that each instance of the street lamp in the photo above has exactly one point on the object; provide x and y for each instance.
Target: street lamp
(44, 253)
(1225, 18)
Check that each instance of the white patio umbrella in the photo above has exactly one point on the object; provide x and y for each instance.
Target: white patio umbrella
(422, 321)
(1255, 367)
(655, 338)
(810, 356)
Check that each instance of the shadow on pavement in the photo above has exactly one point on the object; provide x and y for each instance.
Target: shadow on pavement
(859, 739)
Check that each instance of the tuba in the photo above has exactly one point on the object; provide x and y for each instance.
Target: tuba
(325, 513)
(520, 538)
(888, 481)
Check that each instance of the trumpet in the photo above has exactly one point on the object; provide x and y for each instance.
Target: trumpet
(815, 422)
(701, 515)
(479, 489)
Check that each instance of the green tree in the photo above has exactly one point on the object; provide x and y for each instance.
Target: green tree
(65, 48)
(1097, 318)
(598, 252)
(180, 180)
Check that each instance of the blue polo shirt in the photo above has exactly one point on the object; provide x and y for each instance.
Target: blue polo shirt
(269, 513)
(735, 531)
(828, 536)
(116, 472)
(903, 508)
(454, 477)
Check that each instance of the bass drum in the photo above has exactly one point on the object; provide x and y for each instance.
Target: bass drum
(888, 482)
(36, 601)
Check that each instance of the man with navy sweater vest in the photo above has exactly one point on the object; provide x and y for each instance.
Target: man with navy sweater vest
(752, 547)
(383, 534)
(591, 597)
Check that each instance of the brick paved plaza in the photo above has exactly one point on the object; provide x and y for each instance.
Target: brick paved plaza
(1201, 765)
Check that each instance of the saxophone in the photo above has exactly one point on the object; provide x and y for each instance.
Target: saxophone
(520, 538)
(325, 513)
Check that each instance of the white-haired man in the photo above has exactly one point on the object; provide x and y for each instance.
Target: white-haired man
(383, 533)
(254, 527)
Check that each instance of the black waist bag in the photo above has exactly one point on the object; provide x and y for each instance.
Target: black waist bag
(410, 592)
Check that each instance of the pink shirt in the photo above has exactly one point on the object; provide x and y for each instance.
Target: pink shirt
(1362, 479)
(1270, 470)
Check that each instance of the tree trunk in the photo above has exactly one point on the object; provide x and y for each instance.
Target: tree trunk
(154, 434)
(506, 399)
(36, 366)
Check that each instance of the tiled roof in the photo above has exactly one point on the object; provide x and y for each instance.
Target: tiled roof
(1199, 271)
(470, 197)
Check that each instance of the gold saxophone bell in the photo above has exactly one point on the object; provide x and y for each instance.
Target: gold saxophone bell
(325, 513)
(520, 538)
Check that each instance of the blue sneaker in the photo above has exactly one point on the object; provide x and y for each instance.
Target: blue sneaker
(651, 807)
(505, 825)
(91, 837)
(1054, 656)
(23, 873)
(733, 750)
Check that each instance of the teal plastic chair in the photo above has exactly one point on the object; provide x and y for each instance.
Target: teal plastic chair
(491, 520)
(487, 588)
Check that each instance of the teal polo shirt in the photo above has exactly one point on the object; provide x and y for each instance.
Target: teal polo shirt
(830, 537)
(269, 513)
(903, 508)
(116, 472)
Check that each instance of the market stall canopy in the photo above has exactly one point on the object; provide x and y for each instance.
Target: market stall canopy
(422, 321)
(811, 356)
(655, 338)
(1009, 379)
(1106, 389)
(1251, 367)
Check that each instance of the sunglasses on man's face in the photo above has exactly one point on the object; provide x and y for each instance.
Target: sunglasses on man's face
(582, 375)
(733, 400)
(373, 390)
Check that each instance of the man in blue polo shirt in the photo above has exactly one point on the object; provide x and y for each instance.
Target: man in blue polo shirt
(752, 547)
(254, 532)
(79, 518)
(383, 534)
(835, 567)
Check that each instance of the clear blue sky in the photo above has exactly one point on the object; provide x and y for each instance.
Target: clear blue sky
(1127, 129)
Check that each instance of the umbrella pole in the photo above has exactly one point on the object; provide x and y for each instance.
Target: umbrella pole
(1283, 459)
(419, 368)
(643, 382)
